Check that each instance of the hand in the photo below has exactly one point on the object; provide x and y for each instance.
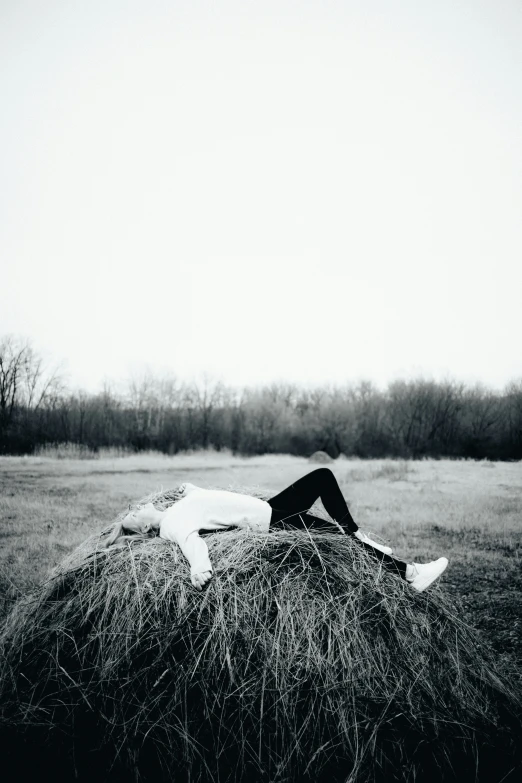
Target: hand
(200, 580)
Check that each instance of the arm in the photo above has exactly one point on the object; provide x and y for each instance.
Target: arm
(196, 552)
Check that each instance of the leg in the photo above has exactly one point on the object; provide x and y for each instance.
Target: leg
(389, 563)
(310, 522)
(289, 509)
(302, 494)
(306, 521)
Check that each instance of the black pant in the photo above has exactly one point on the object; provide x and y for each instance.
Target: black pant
(291, 506)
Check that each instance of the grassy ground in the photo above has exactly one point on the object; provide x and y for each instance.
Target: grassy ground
(469, 511)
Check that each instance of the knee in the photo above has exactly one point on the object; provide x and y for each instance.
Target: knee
(322, 475)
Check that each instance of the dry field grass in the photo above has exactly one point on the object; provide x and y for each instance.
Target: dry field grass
(469, 511)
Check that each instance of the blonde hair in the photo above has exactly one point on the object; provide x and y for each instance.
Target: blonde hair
(125, 531)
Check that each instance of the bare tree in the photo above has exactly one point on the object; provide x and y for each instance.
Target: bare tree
(513, 418)
(25, 378)
(207, 396)
(12, 357)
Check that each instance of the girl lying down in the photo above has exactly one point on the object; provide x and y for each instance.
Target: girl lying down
(216, 509)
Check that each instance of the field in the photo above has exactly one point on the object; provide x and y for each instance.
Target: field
(469, 511)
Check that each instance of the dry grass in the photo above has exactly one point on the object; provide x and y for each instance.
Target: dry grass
(49, 506)
(79, 451)
(301, 662)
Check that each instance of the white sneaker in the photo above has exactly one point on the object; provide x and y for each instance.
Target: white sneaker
(426, 573)
(387, 550)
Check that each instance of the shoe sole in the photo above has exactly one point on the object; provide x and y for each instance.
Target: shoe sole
(427, 581)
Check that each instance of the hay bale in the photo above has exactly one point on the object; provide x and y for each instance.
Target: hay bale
(320, 457)
(301, 662)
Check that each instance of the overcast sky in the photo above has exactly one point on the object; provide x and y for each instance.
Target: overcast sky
(313, 191)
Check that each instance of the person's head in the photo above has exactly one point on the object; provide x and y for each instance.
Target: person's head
(142, 519)
(141, 522)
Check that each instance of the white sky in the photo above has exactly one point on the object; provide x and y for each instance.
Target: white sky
(307, 190)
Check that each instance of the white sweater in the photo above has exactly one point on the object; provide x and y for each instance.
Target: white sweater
(210, 509)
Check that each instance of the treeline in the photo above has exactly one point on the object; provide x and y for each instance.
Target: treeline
(410, 418)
